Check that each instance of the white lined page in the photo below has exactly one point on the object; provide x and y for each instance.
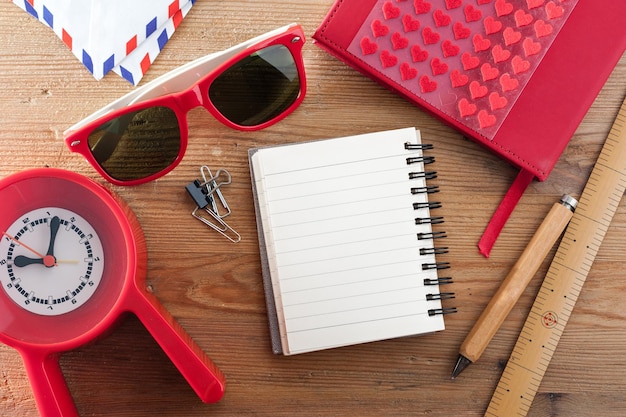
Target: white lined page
(341, 240)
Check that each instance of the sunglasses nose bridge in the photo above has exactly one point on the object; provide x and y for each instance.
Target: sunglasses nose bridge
(196, 98)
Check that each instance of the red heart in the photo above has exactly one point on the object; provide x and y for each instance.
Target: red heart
(458, 79)
(511, 36)
(387, 59)
(390, 11)
(542, 28)
(472, 14)
(449, 49)
(503, 8)
(407, 72)
(429, 36)
(534, 3)
(508, 83)
(488, 72)
(368, 47)
(398, 41)
(519, 65)
(522, 18)
(496, 101)
(460, 32)
(421, 6)
(409, 23)
(485, 119)
(418, 54)
(480, 43)
(441, 19)
(438, 67)
(466, 108)
(469, 62)
(499, 54)
(453, 4)
(477, 90)
(483, 1)
(531, 47)
(553, 11)
(379, 28)
(492, 25)
(427, 85)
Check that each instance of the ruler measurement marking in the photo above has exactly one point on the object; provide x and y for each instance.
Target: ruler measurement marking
(565, 278)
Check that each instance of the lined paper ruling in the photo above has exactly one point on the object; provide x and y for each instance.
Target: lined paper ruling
(346, 239)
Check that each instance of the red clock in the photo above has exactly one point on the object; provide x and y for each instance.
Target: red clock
(72, 261)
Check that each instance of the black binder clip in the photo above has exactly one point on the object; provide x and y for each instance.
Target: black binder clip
(207, 195)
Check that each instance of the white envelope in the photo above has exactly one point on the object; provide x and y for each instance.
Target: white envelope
(119, 35)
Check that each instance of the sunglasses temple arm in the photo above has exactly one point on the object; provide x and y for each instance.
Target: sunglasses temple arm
(188, 75)
(194, 70)
(178, 79)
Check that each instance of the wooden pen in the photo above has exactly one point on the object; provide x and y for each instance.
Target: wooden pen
(515, 282)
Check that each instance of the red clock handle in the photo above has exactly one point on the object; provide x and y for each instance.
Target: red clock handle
(195, 366)
(46, 379)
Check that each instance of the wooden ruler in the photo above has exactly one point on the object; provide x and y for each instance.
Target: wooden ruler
(565, 278)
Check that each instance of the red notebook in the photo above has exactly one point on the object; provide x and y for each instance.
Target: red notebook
(517, 76)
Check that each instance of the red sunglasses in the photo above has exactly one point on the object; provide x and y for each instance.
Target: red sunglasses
(143, 135)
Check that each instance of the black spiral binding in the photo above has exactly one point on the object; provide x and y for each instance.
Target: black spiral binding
(433, 251)
(438, 281)
(436, 265)
(428, 204)
(440, 296)
(431, 220)
(418, 146)
(441, 311)
(432, 235)
(427, 175)
(429, 189)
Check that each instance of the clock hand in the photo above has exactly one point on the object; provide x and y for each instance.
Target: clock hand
(49, 260)
(46, 260)
(21, 261)
(54, 228)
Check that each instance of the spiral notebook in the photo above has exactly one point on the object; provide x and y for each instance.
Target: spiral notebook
(517, 76)
(346, 239)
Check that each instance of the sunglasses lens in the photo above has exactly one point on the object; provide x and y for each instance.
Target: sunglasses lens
(258, 88)
(137, 144)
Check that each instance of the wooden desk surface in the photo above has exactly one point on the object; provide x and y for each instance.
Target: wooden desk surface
(213, 287)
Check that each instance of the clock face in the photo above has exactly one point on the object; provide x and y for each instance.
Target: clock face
(51, 261)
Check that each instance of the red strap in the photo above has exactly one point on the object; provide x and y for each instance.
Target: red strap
(504, 210)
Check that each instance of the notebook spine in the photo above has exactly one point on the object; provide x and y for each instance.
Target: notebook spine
(422, 175)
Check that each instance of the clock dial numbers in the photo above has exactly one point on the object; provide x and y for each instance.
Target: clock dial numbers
(44, 284)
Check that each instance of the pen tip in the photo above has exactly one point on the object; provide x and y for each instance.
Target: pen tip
(461, 363)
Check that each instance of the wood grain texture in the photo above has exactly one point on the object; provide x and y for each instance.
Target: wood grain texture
(213, 287)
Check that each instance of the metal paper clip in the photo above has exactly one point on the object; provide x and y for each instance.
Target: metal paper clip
(213, 187)
(207, 195)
